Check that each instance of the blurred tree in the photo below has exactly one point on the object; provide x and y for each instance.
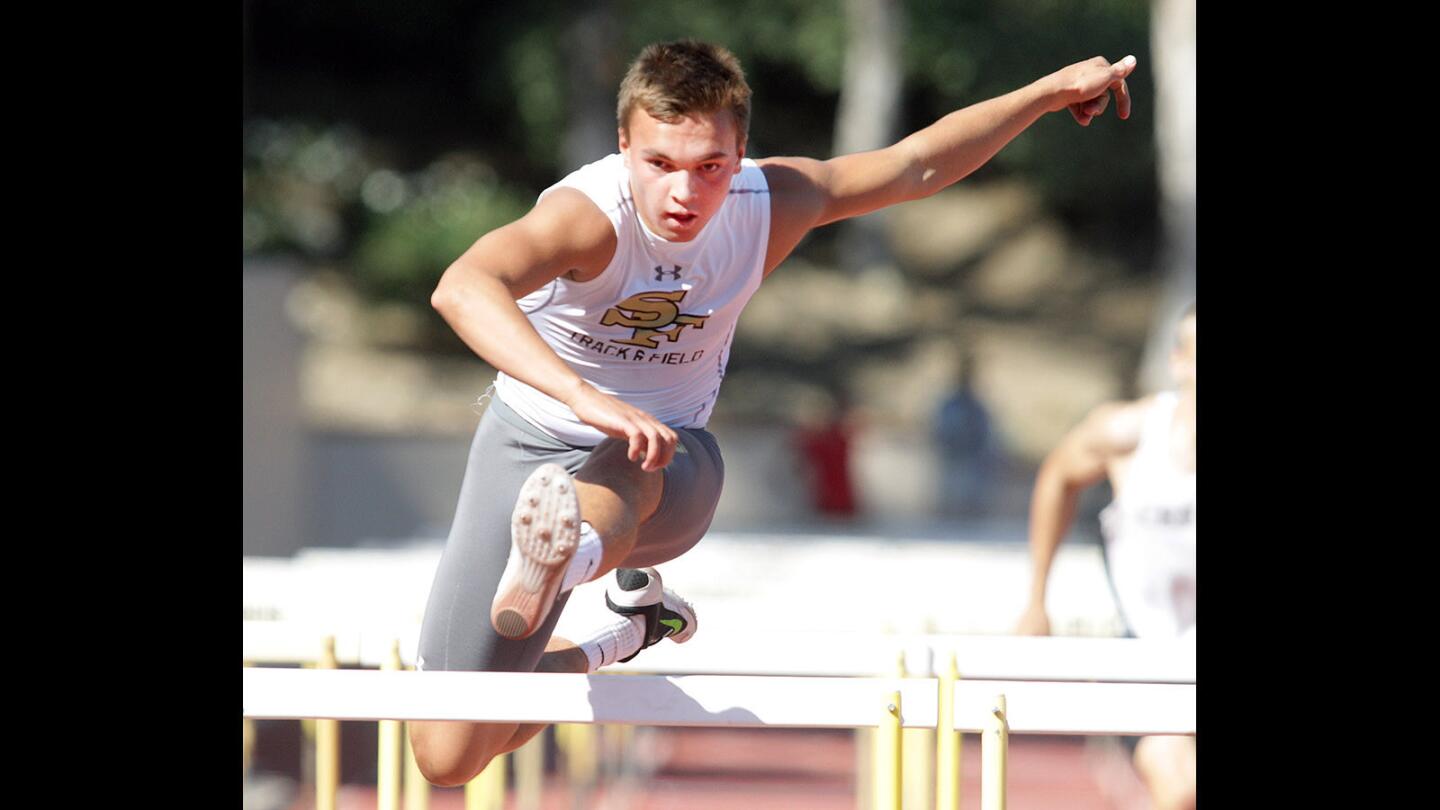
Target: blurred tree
(594, 62)
(869, 114)
(1173, 33)
(959, 54)
(402, 254)
(328, 196)
(531, 88)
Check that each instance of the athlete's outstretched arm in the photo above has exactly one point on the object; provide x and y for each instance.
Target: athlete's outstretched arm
(564, 233)
(810, 193)
(1079, 462)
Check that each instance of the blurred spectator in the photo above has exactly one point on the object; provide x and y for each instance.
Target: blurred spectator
(1147, 449)
(824, 449)
(970, 450)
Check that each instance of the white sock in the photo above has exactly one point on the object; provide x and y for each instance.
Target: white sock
(619, 639)
(586, 560)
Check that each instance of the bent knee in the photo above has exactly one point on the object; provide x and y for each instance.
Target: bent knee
(446, 756)
(445, 769)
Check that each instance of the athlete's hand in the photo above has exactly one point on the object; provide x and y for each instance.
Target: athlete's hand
(1084, 88)
(1034, 622)
(651, 442)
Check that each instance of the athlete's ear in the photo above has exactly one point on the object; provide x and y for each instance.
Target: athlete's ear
(740, 155)
(624, 144)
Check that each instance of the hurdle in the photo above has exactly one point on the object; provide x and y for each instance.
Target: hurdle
(994, 709)
(827, 654)
(996, 658)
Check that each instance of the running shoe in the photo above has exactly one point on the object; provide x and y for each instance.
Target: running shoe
(639, 591)
(544, 532)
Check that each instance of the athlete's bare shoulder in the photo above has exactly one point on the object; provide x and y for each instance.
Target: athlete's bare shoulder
(1113, 428)
(796, 203)
(565, 234)
(576, 228)
(1106, 437)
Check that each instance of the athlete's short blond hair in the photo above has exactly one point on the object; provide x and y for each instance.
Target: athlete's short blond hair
(670, 80)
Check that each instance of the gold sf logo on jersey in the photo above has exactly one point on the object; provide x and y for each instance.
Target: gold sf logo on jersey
(653, 315)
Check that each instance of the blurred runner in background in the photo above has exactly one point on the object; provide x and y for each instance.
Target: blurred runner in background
(1147, 450)
(971, 453)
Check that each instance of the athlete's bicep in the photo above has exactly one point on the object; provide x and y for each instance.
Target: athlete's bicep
(564, 233)
(796, 204)
(807, 193)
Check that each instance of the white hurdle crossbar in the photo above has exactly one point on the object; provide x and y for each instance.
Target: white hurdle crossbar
(1050, 658)
(1036, 707)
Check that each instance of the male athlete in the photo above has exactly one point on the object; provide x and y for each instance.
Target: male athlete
(1147, 449)
(609, 310)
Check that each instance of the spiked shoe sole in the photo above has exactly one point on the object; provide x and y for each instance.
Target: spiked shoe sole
(544, 531)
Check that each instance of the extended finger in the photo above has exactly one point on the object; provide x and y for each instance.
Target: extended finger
(652, 448)
(637, 443)
(1122, 100)
(663, 451)
(668, 439)
(1124, 67)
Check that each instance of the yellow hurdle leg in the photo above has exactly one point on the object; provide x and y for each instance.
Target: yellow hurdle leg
(994, 745)
(947, 743)
(615, 742)
(487, 790)
(247, 744)
(578, 742)
(918, 745)
(327, 744)
(417, 787)
(530, 773)
(880, 753)
(387, 780)
(888, 755)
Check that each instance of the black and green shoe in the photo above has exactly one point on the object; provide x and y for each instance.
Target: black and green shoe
(639, 591)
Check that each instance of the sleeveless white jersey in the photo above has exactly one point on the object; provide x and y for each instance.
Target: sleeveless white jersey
(1150, 534)
(654, 329)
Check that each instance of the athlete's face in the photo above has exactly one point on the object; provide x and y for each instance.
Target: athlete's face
(680, 172)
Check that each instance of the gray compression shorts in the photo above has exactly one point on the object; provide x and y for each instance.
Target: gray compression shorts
(456, 633)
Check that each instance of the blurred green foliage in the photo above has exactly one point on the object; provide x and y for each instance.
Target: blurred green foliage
(335, 171)
(325, 195)
(403, 253)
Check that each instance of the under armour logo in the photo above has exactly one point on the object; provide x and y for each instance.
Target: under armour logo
(674, 274)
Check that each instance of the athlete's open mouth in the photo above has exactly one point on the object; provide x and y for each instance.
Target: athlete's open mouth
(682, 219)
